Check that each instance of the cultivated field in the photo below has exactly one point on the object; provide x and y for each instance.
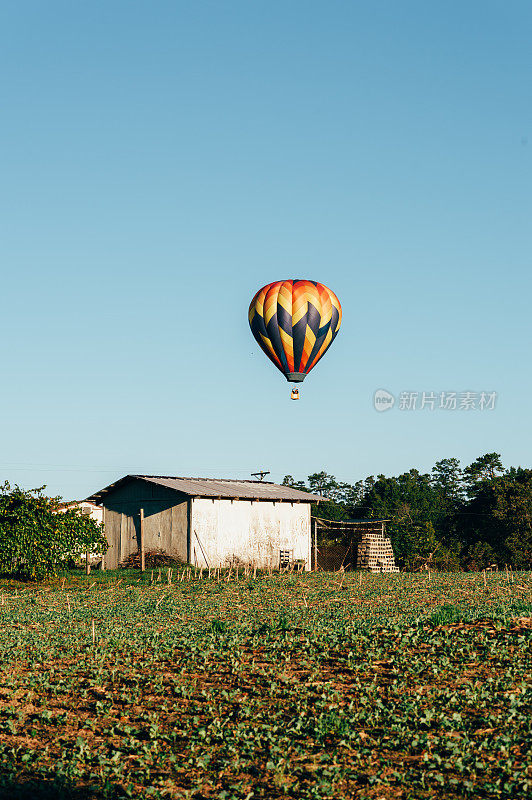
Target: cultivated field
(302, 686)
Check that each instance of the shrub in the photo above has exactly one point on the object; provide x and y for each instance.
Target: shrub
(36, 539)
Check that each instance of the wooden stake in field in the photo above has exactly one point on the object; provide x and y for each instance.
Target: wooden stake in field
(68, 604)
(314, 524)
(93, 631)
(87, 564)
(484, 575)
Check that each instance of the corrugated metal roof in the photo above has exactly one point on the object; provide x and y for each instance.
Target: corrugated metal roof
(218, 487)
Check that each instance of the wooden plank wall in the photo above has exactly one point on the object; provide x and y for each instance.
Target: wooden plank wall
(165, 521)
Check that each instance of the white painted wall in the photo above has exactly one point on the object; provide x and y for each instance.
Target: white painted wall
(251, 531)
(91, 509)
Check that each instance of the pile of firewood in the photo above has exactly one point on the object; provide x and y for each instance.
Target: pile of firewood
(152, 559)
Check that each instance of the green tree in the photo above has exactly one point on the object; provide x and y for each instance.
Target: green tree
(289, 480)
(322, 483)
(448, 484)
(479, 556)
(411, 503)
(513, 492)
(327, 485)
(36, 538)
(499, 514)
(450, 518)
(447, 479)
(483, 468)
(408, 495)
(414, 543)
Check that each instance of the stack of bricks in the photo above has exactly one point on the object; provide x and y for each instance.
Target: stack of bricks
(375, 553)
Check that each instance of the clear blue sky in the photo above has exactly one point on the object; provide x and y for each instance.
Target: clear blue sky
(161, 161)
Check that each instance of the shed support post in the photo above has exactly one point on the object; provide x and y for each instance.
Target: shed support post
(189, 530)
(102, 565)
(315, 531)
(142, 564)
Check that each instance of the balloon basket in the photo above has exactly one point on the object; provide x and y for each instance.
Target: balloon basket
(295, 394)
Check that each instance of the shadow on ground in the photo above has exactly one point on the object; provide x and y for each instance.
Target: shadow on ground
(27, 788)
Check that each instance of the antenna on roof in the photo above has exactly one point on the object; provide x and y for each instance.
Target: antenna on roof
(260, 475)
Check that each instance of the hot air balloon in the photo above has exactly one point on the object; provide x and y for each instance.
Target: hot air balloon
(295, 322)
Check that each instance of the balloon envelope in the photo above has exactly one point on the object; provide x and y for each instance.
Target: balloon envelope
(295, 322)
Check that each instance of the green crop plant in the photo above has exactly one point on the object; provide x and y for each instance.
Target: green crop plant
(372, 686)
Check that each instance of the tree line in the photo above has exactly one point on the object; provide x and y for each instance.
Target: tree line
(451, 518)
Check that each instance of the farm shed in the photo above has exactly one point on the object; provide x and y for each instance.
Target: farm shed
(207, 522)
(358, 544)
